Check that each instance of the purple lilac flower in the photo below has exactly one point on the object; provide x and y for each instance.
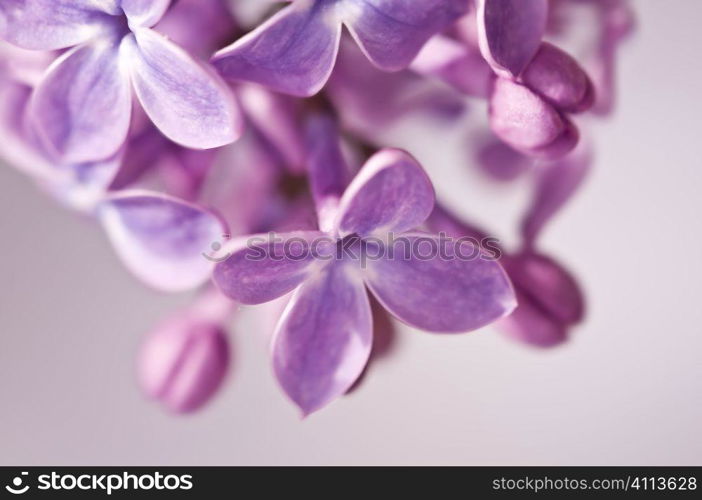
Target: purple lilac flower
(81, 109)
(323, 339)
(295, 50)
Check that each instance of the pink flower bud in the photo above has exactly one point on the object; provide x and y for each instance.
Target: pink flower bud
(528, 123)
(549, 300)
(182, 362)
(558, 78)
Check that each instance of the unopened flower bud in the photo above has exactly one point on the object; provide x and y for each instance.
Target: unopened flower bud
(182, 363)
(528, 123)
(558, 78)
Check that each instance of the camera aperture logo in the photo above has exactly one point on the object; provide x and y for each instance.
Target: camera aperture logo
(102, 482)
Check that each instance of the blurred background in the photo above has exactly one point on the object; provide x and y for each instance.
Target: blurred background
(624, 390)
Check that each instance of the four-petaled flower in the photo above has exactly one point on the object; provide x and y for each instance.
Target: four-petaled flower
(81, 109)
(323, 339)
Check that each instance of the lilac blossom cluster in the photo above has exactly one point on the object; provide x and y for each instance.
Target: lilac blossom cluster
(185, 128)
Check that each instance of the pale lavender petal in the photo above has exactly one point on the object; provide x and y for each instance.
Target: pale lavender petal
(440, 285)
(188, 103)
(528, 123)
(161, 239)
(510, 32)
(391, 32)
(81, 109)
(324, 338)
(293, 52)
(182, 362)
(267, 266)
(144, 13)
(54, 24)
(390, 193)
(555, 184)
(559, 79)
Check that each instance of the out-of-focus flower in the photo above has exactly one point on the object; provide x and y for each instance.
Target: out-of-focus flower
(371, 101)
(324, 337)
(295, 50)
(81, 109)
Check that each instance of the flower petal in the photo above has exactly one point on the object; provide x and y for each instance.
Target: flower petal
(390, 193)
(510, 32)
(528, 123)
(439, 285)
(81, 109)
(144, 13)
(161, 239)
(266, 267)
(323, 340)
(391, 32)
(293, 52)
(189, 104)
(53, 24)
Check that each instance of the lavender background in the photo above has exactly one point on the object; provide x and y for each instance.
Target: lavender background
(625, 390)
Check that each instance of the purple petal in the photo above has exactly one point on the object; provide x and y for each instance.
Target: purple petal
(189, 104)
(390, 193)
(144, 13)
(324, 338)
(266, 267)
(559, 79)
(529, 124)
(182, 362)
(293, 52)
(510, 32)
(161, 239)
(556, 183)
(391, 32)
(440, 285)
(82, 107)
(53, 24)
